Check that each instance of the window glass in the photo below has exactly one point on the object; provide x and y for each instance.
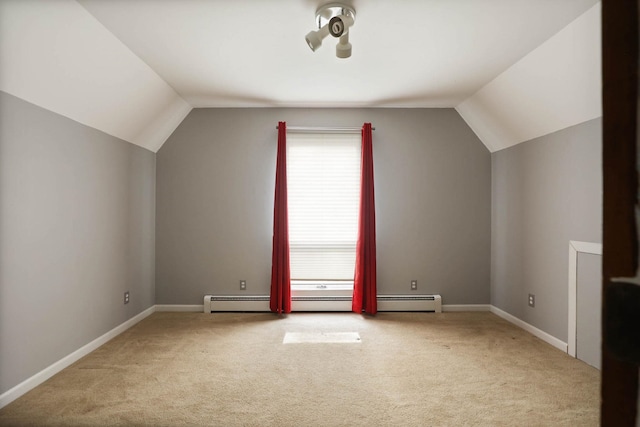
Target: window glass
(323, 179)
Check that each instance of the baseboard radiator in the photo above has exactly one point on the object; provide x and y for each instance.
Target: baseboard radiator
(260, 303)
(410, 303)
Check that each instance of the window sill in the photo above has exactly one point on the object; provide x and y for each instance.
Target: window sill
(321, 288)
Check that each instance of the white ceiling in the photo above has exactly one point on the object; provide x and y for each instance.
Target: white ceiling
(408, 53)
(177, 54)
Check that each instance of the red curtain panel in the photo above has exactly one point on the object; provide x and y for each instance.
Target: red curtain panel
(364, 282)
(280, 301)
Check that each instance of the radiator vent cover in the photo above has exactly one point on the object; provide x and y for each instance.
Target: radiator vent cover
(410, 303)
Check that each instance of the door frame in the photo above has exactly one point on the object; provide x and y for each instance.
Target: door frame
(575, 248)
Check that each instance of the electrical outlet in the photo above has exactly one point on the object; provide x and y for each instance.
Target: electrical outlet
(243, 285)
(414, 285)
(532, 300)
(126, 297)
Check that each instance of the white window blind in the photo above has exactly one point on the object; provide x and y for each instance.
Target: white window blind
(323, 185)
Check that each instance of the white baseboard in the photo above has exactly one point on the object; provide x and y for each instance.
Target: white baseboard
(179, 307)
(37, 379)
(549, 339)
(466, 307)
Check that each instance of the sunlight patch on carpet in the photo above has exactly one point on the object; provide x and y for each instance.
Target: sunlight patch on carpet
(321, 337)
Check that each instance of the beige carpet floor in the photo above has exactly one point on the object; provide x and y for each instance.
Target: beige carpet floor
(409, 369)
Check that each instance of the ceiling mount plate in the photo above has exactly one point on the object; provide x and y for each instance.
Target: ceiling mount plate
(328, 11)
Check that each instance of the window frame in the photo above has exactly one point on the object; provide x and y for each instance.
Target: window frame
(351, 140)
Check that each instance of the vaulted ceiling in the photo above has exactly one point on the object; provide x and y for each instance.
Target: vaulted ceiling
(514, 69)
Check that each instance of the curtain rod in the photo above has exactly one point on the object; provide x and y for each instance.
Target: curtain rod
(306, 129)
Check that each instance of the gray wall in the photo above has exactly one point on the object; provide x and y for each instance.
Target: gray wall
(545, 192)
(76, 231)
(215, 188)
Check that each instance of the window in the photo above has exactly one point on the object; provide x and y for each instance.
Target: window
(323, 179)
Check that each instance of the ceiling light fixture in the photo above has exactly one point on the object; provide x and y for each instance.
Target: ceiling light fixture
(334, 19)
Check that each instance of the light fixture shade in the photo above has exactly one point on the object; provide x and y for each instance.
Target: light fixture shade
(346, 20)
(343, 48)
(314, 38)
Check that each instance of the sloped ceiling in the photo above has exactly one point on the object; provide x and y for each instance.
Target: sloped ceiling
(135, 68)
(555, 86)
(56, 55)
